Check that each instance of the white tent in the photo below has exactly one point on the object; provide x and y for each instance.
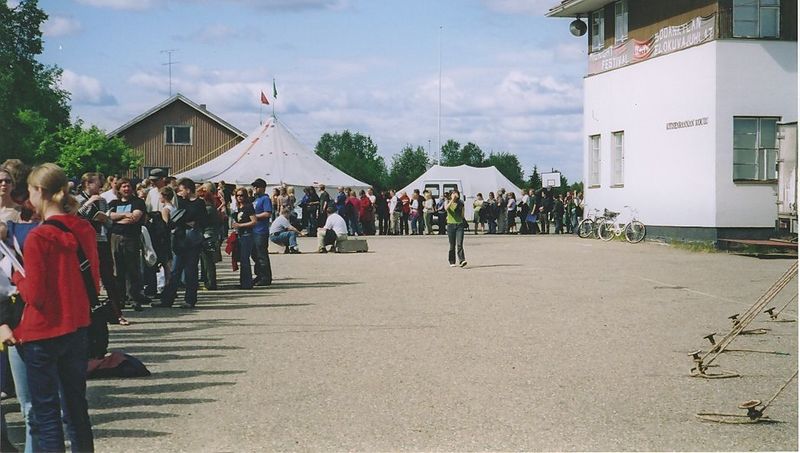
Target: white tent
(273, 154)
(468, 180)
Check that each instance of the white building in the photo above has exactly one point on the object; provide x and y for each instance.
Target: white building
(681, 104)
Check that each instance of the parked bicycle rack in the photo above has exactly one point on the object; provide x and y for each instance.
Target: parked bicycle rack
(703, 361)
(755, 410)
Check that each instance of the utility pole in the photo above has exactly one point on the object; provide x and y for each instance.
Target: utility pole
(169, 64)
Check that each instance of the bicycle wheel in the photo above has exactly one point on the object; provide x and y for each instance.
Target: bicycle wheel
(635, 231)
(585, 228)
(606, 230)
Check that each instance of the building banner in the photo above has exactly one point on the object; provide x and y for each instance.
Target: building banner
(669, 39)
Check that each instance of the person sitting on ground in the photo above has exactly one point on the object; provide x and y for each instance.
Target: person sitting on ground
(334, 231)
(283, 233)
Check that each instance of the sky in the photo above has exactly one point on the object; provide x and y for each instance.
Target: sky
(511, 79)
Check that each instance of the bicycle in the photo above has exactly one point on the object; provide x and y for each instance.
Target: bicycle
(588, 226)
(634, 230)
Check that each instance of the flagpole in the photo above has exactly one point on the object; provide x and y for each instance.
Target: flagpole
(274, 97)
(439, 121)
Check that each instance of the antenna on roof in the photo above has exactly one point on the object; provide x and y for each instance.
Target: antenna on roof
(169, 64)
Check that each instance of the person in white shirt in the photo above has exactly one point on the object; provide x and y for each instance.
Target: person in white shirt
(158, 177)
(334, 231)
(110, 194)
(283, 233)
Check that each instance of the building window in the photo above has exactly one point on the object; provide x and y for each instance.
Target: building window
(618, 159)
(594, 161)
(178, 135)
(597, 30)
(620, 21)
(756, 18)
(755, 149)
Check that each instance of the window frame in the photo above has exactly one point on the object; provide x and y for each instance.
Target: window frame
(594, 160)
(620, 21)
(598, 30)
(759, 9)
(761, 153)
(618, 159)
(170, 128)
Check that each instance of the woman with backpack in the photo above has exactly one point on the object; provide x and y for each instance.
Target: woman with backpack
(52, 335)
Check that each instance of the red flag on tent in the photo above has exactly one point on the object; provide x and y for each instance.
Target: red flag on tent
(264, 99)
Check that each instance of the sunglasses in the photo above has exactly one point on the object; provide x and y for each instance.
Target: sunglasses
(7, 181)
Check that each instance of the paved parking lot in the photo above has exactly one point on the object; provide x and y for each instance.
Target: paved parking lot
(541, 343)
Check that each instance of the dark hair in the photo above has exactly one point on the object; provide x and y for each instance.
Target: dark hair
(188, 184)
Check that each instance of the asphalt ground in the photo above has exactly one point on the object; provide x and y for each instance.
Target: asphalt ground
(543, 343)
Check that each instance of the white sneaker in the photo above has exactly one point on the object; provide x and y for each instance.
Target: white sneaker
(452, 265)
(463, 264)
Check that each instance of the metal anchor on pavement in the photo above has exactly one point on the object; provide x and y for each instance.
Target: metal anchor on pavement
(715, 346)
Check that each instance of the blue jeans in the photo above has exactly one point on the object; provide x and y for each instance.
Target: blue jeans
(245, 250)
(48, 363)
(23, 394)
(185, 264)
(286, 238)
(455, 235)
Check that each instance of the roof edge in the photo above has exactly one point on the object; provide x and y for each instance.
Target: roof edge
(170, 101)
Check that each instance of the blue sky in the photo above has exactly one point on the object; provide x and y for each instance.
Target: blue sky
(511, 78)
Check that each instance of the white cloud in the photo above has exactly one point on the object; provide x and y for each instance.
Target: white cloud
(533, 7)
(56, 26)
(86, 90)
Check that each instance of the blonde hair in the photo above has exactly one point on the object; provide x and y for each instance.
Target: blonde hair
(53, 182)
(167, 193)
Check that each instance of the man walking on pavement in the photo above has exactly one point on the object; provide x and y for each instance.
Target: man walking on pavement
(263, 209)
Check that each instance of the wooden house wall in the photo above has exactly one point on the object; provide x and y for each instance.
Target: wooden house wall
(209, 139)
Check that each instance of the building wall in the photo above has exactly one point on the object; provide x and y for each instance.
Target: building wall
(209, 139)
(754, 78)
(669, 174)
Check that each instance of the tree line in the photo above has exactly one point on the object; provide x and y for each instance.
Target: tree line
(357, 155)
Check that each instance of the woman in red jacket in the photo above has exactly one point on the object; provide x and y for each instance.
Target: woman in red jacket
(52, 334)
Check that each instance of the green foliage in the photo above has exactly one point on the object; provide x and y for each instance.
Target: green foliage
(78, 150)
(535, 180)
(507, 164)
(31, 103)
(450, 154)
(354, 154)
(469, 154)
(407, 166)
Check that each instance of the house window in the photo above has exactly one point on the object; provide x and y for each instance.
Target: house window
(756, 18)
(178, 135)
(620, 21)
(597, 30)
(618, 159)
(755, 149)
(594, 161)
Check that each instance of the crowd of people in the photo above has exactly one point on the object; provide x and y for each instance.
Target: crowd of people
(140, 242)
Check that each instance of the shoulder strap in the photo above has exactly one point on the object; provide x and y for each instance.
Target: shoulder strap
(83, 262)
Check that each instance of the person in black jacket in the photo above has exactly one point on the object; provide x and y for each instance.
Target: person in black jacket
(186, 245)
